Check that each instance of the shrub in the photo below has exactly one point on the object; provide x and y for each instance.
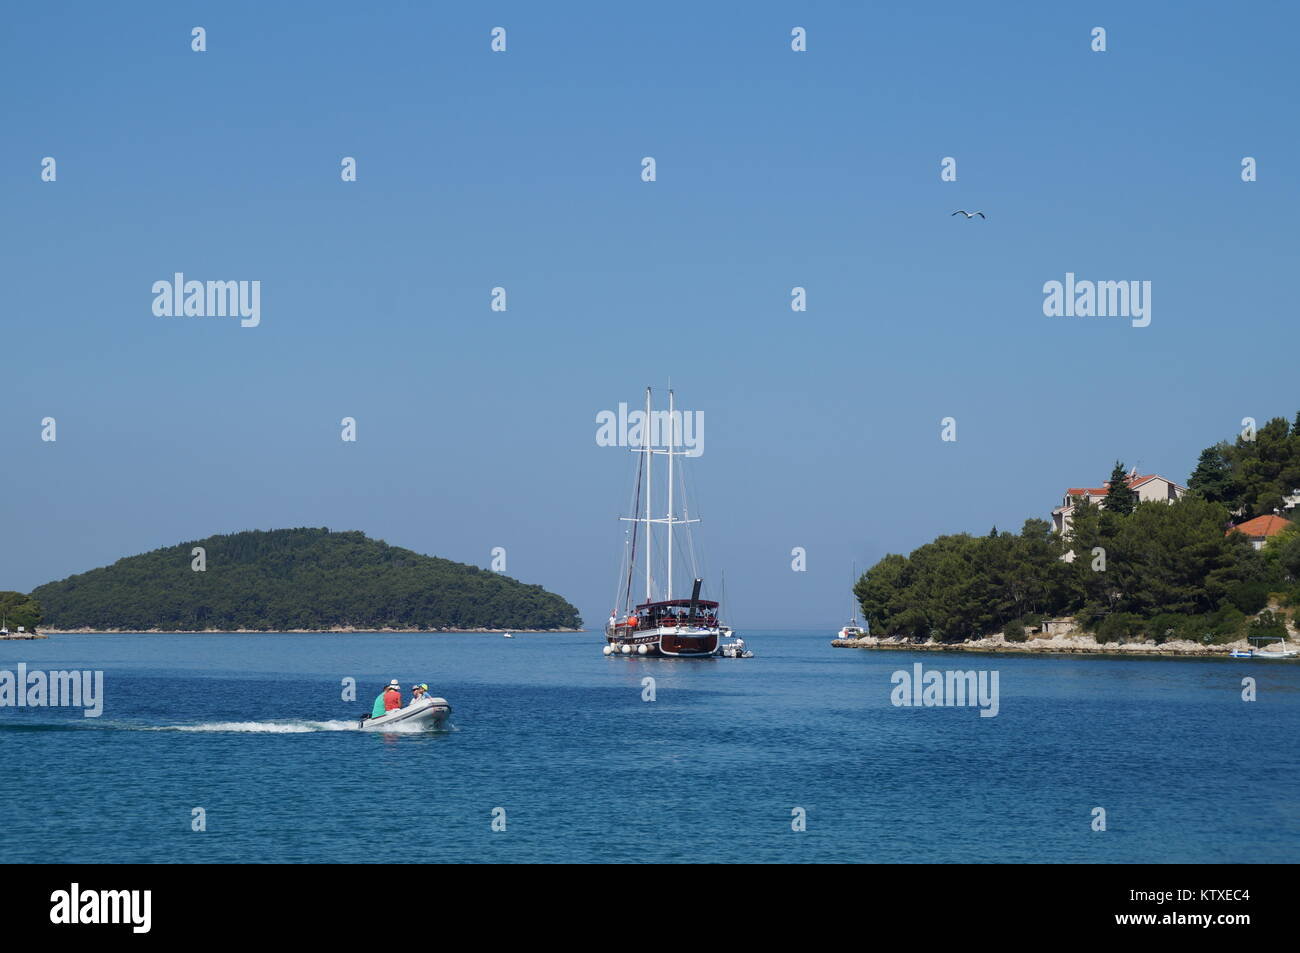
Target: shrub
(1269, 624)
(1119, 627)
(1226, 625)
(21, 610)
(1169, 626)
(1250, 596)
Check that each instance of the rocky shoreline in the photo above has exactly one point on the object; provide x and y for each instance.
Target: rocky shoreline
(16, 636)
(337, 628)
(1075, 644)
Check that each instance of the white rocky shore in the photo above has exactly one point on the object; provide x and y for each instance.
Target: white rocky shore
(1071, 644)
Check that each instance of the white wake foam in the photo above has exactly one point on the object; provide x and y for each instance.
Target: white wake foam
(267, 727)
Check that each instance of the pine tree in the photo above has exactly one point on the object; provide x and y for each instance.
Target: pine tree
(1121, 498)
(1212, 477)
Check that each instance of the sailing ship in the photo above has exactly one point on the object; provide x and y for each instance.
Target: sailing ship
(661, 624)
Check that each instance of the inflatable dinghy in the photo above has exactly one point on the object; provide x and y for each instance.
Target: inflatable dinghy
(428, 712)
(734, 649)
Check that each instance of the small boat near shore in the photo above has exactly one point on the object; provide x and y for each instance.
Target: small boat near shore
(852, 630)
(428, 712)
(1258, 653)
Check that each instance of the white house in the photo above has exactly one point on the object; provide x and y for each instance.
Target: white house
(1149, 487)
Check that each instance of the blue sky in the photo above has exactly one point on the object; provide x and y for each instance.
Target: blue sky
(522, 169)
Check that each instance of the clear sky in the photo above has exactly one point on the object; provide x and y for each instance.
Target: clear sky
(522, 169)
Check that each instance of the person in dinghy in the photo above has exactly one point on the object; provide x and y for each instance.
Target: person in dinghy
(423, 709)
(388, 700)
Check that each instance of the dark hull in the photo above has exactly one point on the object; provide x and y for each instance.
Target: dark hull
(667, 643)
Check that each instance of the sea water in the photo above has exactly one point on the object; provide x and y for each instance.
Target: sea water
(555, 754)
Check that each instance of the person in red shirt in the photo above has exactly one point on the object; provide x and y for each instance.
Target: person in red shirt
(392, 696)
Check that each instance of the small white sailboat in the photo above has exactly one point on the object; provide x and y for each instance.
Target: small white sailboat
(508, 636)
(852, 630)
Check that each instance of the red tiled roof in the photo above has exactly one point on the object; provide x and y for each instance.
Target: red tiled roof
(1133, 481)
(1261, 526)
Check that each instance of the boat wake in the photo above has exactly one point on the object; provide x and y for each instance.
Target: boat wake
(295, 727)
(233, 727)
(264, 727)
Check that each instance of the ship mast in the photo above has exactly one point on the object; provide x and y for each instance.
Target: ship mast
(671, 436)
(649, 487)
(671, 517)
(649, 518)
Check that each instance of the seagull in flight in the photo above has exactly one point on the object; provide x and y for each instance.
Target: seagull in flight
(962, 211)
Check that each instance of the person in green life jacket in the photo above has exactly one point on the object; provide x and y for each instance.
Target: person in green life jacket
(390, 699)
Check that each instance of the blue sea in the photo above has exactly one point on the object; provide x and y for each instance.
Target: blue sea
(555, 742)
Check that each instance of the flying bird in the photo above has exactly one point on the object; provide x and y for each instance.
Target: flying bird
(962, 211)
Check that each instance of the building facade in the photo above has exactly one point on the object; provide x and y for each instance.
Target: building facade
(1150, 488)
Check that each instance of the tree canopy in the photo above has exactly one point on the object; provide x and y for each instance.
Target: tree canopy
(962, 587)
(1252, 475)
(17, 609)
(1121, 498)
(1153, 568)
(297, 579)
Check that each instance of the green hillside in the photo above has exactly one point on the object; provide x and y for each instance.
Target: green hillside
(296, 579)
(17, 610)
(1144, 570)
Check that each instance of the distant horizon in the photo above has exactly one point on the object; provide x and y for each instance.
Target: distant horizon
(734, 621)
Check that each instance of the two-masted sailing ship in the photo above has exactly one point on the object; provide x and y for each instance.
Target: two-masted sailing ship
(662, 622)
